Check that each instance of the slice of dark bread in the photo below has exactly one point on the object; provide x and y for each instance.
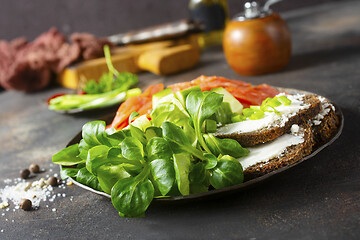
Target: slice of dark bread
(316, 132)
(291, 155)
(325, 124)
(248, 139)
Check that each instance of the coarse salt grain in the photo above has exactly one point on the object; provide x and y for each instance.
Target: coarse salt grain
(7, 181)
(37, 191)
(23, 190)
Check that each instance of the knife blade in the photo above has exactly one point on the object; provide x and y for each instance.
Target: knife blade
(159, 32)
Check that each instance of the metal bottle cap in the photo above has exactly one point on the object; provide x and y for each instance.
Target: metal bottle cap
(253, 10)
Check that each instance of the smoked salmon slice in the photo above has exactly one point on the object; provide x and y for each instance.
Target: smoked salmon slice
(244, 92)
(141, 104)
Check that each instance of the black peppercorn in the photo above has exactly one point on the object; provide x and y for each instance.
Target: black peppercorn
(34, 168)
(25, 204)
(52, 181)
(24, 173)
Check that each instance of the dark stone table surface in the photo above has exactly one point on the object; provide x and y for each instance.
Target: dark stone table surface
(318, 199)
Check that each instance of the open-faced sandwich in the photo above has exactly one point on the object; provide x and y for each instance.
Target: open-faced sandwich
(195, 136)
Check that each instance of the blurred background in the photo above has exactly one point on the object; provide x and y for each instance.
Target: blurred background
(102, 18)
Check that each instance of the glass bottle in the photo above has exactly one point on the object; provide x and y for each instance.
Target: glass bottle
(214, 14)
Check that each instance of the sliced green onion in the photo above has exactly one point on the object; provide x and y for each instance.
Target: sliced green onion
(257, 115)
(238, 118)
(265, 101)
(258, 112)
(274, 103)
(257, 108)
(247, 112)
(284, 100)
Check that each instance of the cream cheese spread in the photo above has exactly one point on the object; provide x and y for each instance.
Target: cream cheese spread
(270, 119)
(264, 152)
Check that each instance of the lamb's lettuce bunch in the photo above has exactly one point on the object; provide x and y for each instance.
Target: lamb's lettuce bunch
(172, 154)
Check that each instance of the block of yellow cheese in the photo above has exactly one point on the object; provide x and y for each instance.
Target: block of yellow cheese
(127, 59)
(93, 69)
(169, 60)
(124, 59)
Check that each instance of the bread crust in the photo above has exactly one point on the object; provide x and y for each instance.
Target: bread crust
(291, 155)
(327, 128)
(314, 133)
(267, 134)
